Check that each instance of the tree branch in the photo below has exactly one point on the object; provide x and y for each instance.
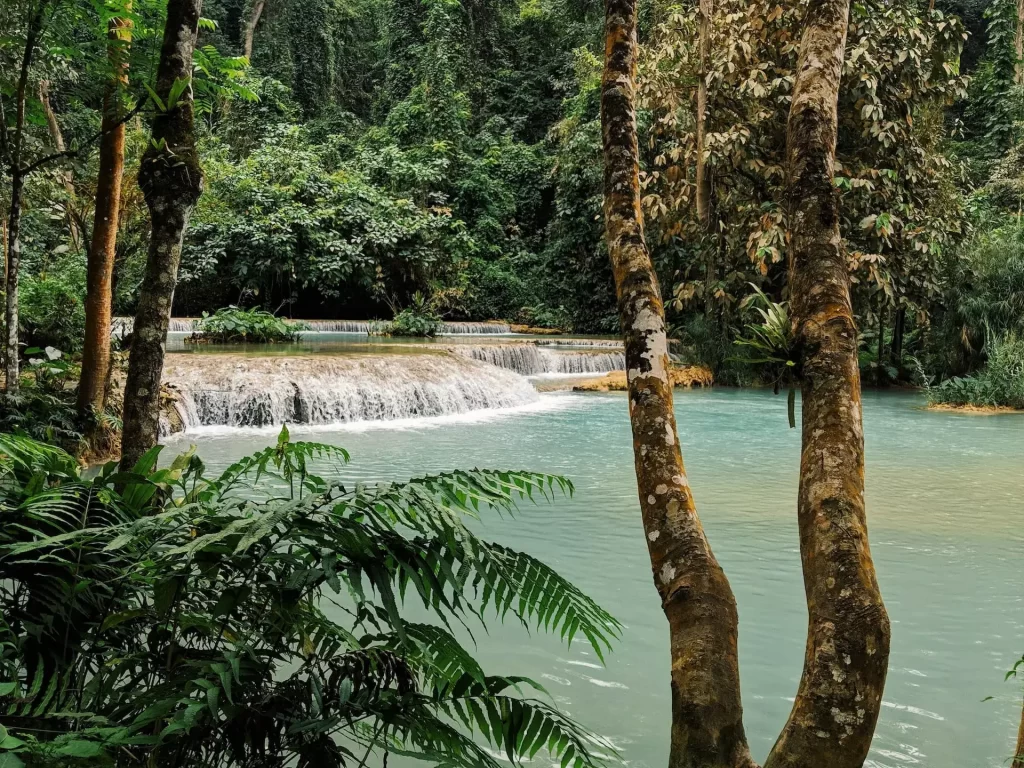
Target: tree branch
(74, 152)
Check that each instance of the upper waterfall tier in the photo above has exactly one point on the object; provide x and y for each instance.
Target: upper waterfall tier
(188, 325)
(533, 360)
(238, 391)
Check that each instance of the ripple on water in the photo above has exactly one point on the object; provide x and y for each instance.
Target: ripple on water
(943, 505)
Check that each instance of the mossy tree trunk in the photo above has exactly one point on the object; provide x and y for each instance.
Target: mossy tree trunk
(707, 717)
(840, 693)
(171, 180)
(702, 185)
(92, 384)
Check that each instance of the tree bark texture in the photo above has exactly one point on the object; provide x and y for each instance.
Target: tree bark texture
(67, 177)
(14, 147)
(1018, 752)
(250, 27)
(707, 716)
(1018, 44)
(840, 693)
(100, 269)
(703, 178)
(171, 180)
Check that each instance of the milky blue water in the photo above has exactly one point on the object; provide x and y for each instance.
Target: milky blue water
(946, 521)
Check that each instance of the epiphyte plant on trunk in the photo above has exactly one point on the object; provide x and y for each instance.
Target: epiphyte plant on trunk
(840, 692)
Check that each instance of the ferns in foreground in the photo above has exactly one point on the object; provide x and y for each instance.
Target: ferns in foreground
(162, 617)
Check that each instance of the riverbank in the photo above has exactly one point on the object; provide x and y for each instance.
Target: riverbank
(974, 410)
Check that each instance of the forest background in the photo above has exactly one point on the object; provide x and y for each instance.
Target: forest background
(362, 157)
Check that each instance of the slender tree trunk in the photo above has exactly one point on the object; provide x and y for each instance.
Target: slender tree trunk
(67, 177)
(250, 27)
(11, 346)
(14, 147)
(880, 353)
(1018, 44)
(172, 181)
(707, 717)
(898, 331)
(840, 693)
(703, 180)
(98, 299)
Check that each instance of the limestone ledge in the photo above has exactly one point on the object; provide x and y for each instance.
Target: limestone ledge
(682, 376)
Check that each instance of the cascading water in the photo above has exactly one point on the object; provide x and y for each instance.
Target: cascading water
(226, 390)
(474, 329)
(532, 360)
(339, 326)
(122, 325)
(606, 343)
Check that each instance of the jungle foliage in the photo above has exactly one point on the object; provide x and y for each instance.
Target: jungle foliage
(372, 150)
(258, 616)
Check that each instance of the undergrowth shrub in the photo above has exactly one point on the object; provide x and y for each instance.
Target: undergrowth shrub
(256, 617)
(232, 325)
(999, 384)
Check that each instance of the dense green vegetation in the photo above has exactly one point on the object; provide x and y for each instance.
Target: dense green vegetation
(233, 325)
(164, 616)
(373, 150)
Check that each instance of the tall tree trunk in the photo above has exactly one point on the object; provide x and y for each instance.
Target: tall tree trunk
(840, 693)
(11, 345)
(898, 332)
(13, 148)
(703, 180)
(707, 716)
(1018, 44)
(250, 27)
(67, 177)
(96, 353)
(172, 181)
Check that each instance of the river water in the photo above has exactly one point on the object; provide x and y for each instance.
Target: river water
(946, 521)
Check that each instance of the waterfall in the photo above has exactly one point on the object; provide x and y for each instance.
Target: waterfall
(122, 325)
(240, 391)
(606, 343)
(474, 329)
(585, 362)
(531, 360)
(339, 326)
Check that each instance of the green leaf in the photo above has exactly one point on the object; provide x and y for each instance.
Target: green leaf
(156, 99)
(80, 748)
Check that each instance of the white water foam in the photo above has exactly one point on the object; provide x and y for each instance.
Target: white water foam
(122, 325)
(235, 391)
(531, 360)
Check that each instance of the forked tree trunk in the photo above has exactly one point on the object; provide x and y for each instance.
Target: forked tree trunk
(707, 717)
(250, 27)
(840, 693)
(14, 147)
(92, 384)
(172, 181)
(66, 177)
